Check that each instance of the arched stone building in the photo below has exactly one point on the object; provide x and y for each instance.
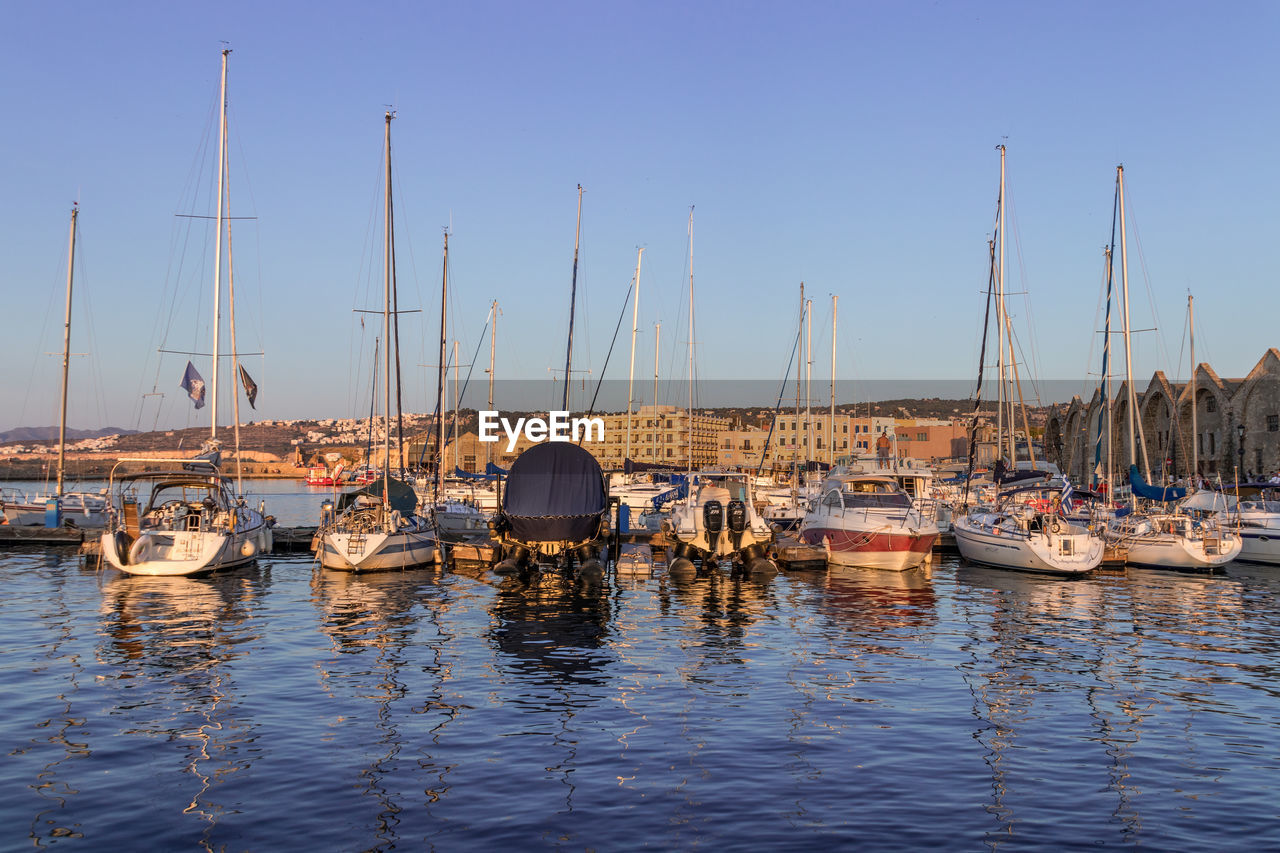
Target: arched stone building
(1237, 426)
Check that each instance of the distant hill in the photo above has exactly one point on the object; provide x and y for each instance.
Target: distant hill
(50, 433)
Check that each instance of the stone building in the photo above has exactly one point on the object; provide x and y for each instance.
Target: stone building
(1237, 426)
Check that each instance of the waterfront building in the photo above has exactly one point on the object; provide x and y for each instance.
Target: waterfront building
(1237, 428)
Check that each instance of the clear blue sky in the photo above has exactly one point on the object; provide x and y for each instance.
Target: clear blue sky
(849, 145)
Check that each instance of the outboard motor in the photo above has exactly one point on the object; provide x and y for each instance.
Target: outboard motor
(713, 519)
(737, 522)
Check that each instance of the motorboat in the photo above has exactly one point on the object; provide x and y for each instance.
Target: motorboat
(554, 510)
(717, 522)
(869, 521)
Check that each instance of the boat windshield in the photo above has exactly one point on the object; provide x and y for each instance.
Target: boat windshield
(873, 494)
(737, 488)
(186, 492)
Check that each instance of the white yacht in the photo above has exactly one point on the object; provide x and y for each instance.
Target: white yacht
(869, 521)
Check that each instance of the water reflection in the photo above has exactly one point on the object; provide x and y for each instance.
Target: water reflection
(388, 640)
(65, 729)
(172, 643)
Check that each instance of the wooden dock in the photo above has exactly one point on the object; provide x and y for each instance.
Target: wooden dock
(12, 534)
(794, 555)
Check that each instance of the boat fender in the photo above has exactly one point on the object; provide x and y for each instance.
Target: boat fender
(995, 531)
(762, 566)
(682, 566)
(121, 543)
(135, 550)
(248, 549)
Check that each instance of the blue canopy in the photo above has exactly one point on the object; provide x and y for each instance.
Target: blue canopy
(1153, 493)
(494, 471)
(555, 493)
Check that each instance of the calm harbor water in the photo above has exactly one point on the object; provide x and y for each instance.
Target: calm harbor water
(283, 706)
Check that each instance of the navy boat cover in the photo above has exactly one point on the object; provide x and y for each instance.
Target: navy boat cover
(1153, 493)
(555, 492)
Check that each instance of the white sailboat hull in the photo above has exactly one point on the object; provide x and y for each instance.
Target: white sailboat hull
(1041, 551)
(175, 553)
(1178, 552)
(362, 552)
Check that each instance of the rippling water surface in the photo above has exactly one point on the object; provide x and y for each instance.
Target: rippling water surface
(287, 706)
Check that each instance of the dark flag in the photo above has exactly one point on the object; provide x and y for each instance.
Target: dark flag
(193, 384)
(250, 387)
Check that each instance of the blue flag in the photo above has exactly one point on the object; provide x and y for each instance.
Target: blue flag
(193, 384)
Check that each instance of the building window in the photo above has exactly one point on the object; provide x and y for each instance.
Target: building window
(1211, 404)
(922, 436)
(1273, 424)
(1212, 445)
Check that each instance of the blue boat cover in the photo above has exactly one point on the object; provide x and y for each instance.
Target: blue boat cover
(494, 471)
(1153, 493)
(555, 492)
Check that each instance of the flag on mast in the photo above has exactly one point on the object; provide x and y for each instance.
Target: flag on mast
(193, 384)
(250, 387)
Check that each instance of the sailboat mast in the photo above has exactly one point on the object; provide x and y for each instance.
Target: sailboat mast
(453, 430)
(386, 323)
(657, 345)
(1000, 395)
(1195, 432)
(635, 320)
(217, 251)
(493, 350)
(691, 343)
(1131, 397)
(66, 352)
(808, 385)
(573, 301)
(831, 432)
(795, 437)
(444, 308)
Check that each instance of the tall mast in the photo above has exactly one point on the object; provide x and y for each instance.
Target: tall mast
(808, 384)
(493, 349)
(635, 320)
(444, 303)
(795, 453)
(831, 432)
(217, 251)
(453, 431)
(386, 324)
(66, 352)
(1195, 433)
(573, 300)
(690, 341)
(1131, 396)
(657, 341)
(1000, 395)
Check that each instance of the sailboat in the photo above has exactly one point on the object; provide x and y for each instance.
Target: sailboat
(186, 518)
(1163, 535)
(81, 509)
(377, 527)
(1024, 529)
